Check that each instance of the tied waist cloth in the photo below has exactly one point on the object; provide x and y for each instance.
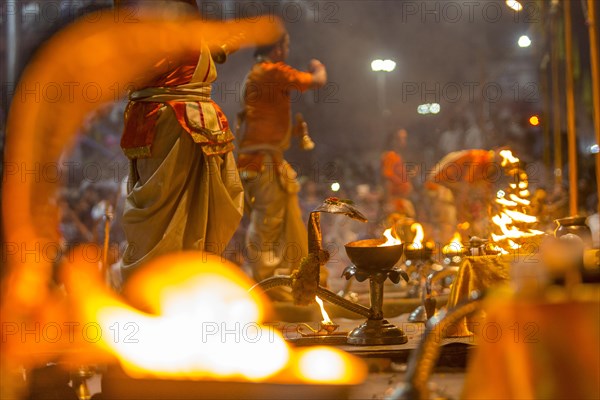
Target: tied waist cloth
(194, 109)
(267, 159)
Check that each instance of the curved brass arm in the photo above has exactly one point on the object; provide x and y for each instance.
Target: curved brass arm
(323, 293)
(422, 360)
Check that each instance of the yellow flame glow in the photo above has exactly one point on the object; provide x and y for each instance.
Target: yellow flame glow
(513, 245)
(326, 318)
(464, 225)
(417, 242)
(199, 322)
(502, 220)
(505, 202)
(510, 209)
(454, 246)
(521, 217)
(508, 158)
(391, 240)
(325, 365)
(499, 249)
(519, 200)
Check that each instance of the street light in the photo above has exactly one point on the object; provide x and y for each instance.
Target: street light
(524, 41)
(514, 5)
(382, 67)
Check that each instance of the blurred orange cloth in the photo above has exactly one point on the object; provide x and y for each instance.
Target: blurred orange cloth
(268, 111)
(537, 350)
(397, 184)
(394, 171)
(268, 102)
(275, 216)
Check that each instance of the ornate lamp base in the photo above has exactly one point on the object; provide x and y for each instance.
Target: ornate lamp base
(377, 332)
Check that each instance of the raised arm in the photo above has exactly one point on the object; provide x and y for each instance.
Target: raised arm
(319, 73)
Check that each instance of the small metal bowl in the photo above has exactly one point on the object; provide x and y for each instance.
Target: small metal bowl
(365, 254)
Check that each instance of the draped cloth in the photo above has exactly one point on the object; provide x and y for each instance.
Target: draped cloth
(538, 349)
(184, 188)
(276, 238)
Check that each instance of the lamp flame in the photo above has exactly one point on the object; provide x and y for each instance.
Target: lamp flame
(391, 239)
(519, 200)
(417, 242)
(454, 246)
(190, 316)
(326, 319)
(508, 158)
(512, 216)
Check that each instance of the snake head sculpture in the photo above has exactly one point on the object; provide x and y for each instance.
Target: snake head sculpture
(306, 278)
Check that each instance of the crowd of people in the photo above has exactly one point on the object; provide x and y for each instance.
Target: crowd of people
(84, 208)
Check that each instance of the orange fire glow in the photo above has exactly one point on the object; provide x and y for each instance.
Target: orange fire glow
(454, 246)
(417, 242)
(198, 322)
(508, 158)
(511, 218)
(391, 239)
(326, 319)
(326, 365)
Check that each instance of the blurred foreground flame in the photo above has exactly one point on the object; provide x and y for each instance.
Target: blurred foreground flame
(199, 322)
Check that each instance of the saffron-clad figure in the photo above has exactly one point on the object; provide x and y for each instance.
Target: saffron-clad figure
(184, 188)
(396, 178)
(277, 237)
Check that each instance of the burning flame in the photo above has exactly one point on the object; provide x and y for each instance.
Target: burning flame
(506, 203)
(391, 239)
(190, 316)
(519, 200)
(326, 319)
(326, 365)
(519, 216)
(508, 158)
(417, 242)
(512, 216)
(454, 246)
(198, 322)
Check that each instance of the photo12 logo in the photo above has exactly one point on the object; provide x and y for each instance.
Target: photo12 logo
(289, 11)
(69, 332)
(453, 12)
(63, 12)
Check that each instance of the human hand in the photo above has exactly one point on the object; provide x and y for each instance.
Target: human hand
(315, 65)
(318, 71)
